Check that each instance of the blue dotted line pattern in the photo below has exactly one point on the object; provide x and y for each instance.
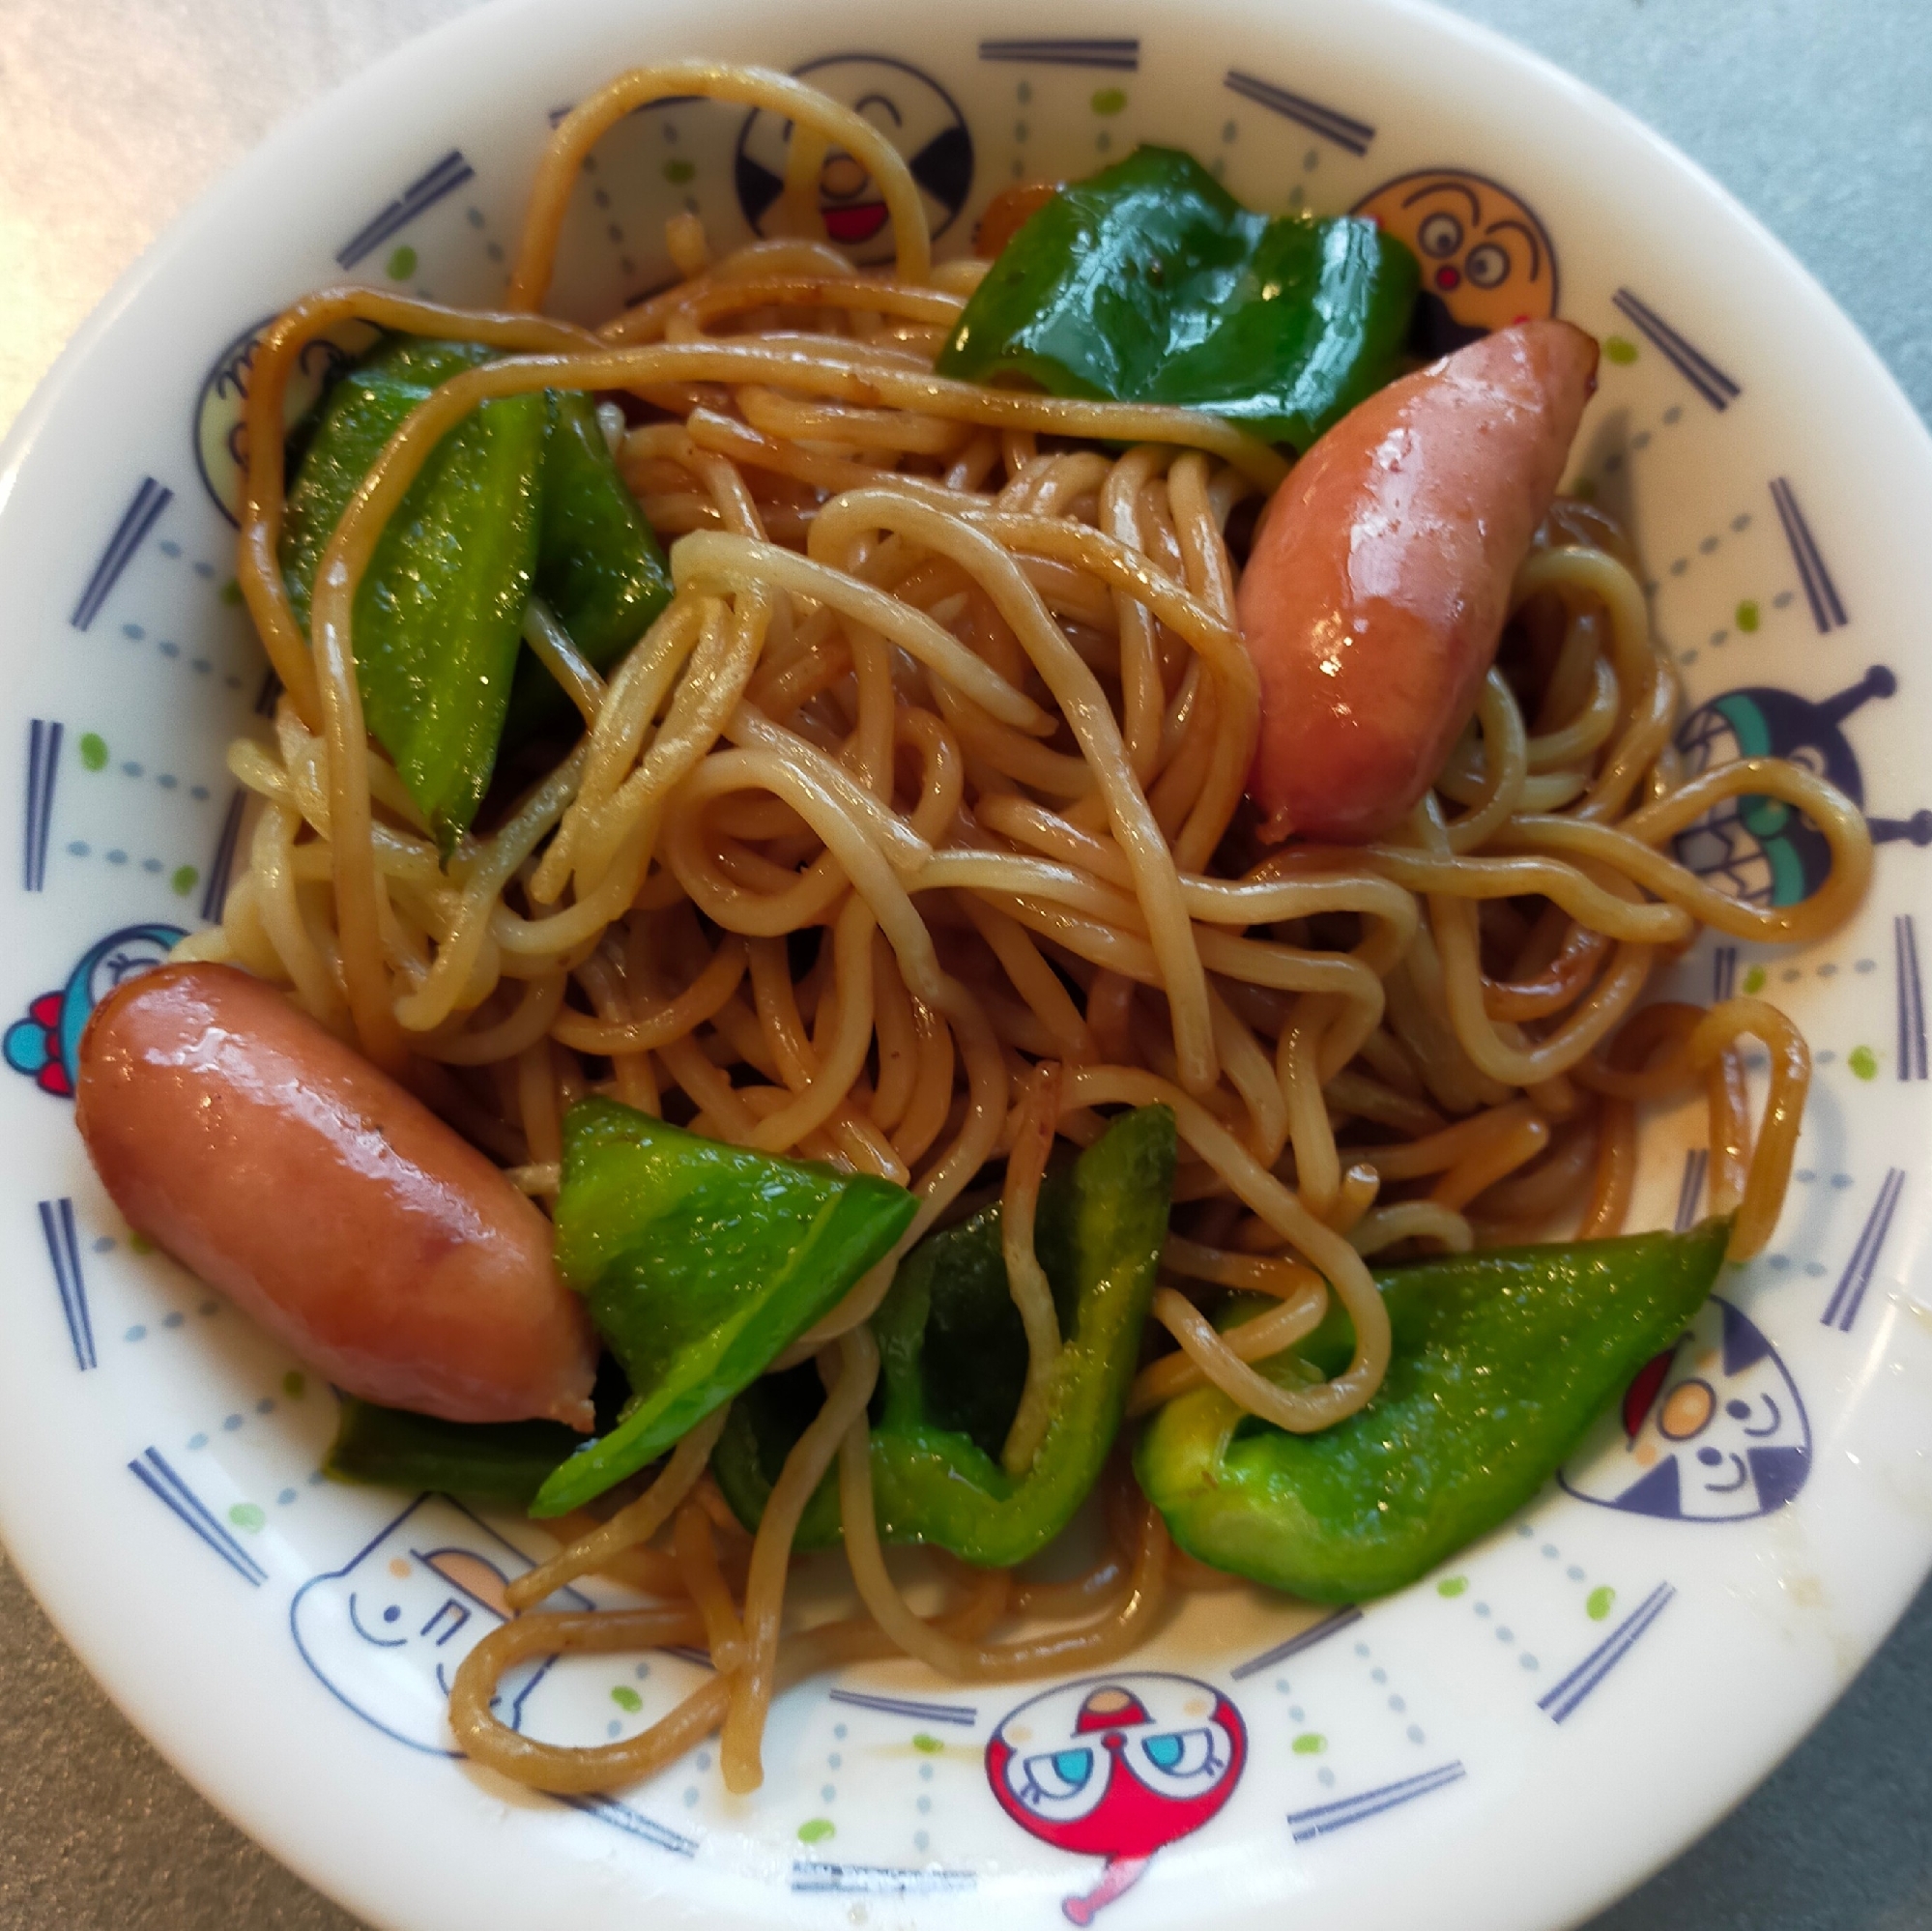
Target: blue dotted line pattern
(1379, 1677)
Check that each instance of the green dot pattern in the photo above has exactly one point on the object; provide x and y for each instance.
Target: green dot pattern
(1754, 979)
(1864, 1061)
(931, 1745)
(626, 1699)
(93, 751)
(247, 1516)
(402, 264)
(816, 1829)
(678, 172)
(1600, 1602)
(1452, 1585)
(1747, 616)
(183, 878)
(1108, 101)
(1310, 1744)
(1620, 349)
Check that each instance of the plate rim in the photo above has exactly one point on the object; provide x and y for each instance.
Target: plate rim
(419, 55)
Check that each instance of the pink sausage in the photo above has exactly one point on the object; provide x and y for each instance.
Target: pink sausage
(1380, 575)
(327, 1203)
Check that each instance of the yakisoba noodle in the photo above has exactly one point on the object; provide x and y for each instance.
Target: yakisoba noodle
(980, 709)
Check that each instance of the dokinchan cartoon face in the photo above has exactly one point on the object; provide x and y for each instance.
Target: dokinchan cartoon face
(1758, 849)
(386, 1630)
(1486, 260)
(910, 108)
(45, 1045)
(1115, 1767)
(1712, 1430)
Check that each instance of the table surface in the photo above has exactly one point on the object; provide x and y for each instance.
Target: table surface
(116, 113)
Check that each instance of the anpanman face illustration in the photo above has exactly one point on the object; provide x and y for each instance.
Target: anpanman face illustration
(1486, 259)
(910, 108)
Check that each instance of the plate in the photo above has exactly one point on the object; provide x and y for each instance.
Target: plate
(1511, 1743)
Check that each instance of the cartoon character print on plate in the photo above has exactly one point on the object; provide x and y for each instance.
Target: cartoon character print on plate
(1762, 849)
(386, 1630)
(1486, 258)
(1115, 1767)
(1712, 1430)
(220, 435)
(910, 108)
(45, 1045)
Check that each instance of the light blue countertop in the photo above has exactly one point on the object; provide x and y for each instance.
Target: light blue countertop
(1816, 113)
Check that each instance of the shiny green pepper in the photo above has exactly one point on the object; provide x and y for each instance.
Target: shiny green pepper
(504, 1463)
(598, 564)
(1501, 1362)
(953, 1362)
(700, 1263)
(521, 496)
(1149, 282)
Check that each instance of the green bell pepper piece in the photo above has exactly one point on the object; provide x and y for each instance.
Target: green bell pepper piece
(332, 448)
(500, 1462)
(598, 565)
(524, 491)
(504, 1463)
(1501, 1361)
(953, 1361)
(439, 613)
(700, 1264)
(1149, 282)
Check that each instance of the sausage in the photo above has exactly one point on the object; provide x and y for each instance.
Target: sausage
(1008, 212)
(1379, 579)
(327, 1203)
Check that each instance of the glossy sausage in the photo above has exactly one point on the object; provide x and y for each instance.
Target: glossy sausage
(1379, 579)
(327, 1203)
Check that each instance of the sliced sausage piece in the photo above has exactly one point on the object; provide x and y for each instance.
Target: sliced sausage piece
(327, 1203)
(1379, 579)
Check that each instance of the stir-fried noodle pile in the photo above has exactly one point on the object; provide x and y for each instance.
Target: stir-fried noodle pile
(952, 685)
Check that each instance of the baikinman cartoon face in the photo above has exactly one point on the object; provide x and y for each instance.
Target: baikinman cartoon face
(1115, 1767)
(910, 108)
(386, 1630)
(1486, 260)
(1712, 1430)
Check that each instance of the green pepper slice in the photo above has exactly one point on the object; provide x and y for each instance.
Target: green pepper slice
(1501, 1361)
(439, 613)
(500, 1462)
(598, 564)
(953, 1361)
(522, 492)
(332, 448)
(1149, 282)
(700, 1263)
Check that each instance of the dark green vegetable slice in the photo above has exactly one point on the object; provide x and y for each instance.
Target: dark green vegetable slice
(521, 494)
(500, 1462)
(953, 1361)
(504, 1463)
(1149, 282)
(598, 564)
(1501, 1361)
(334, 447)
(439, 613)
(700, 1264)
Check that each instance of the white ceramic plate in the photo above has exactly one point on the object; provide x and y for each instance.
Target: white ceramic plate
(1508, 1743)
